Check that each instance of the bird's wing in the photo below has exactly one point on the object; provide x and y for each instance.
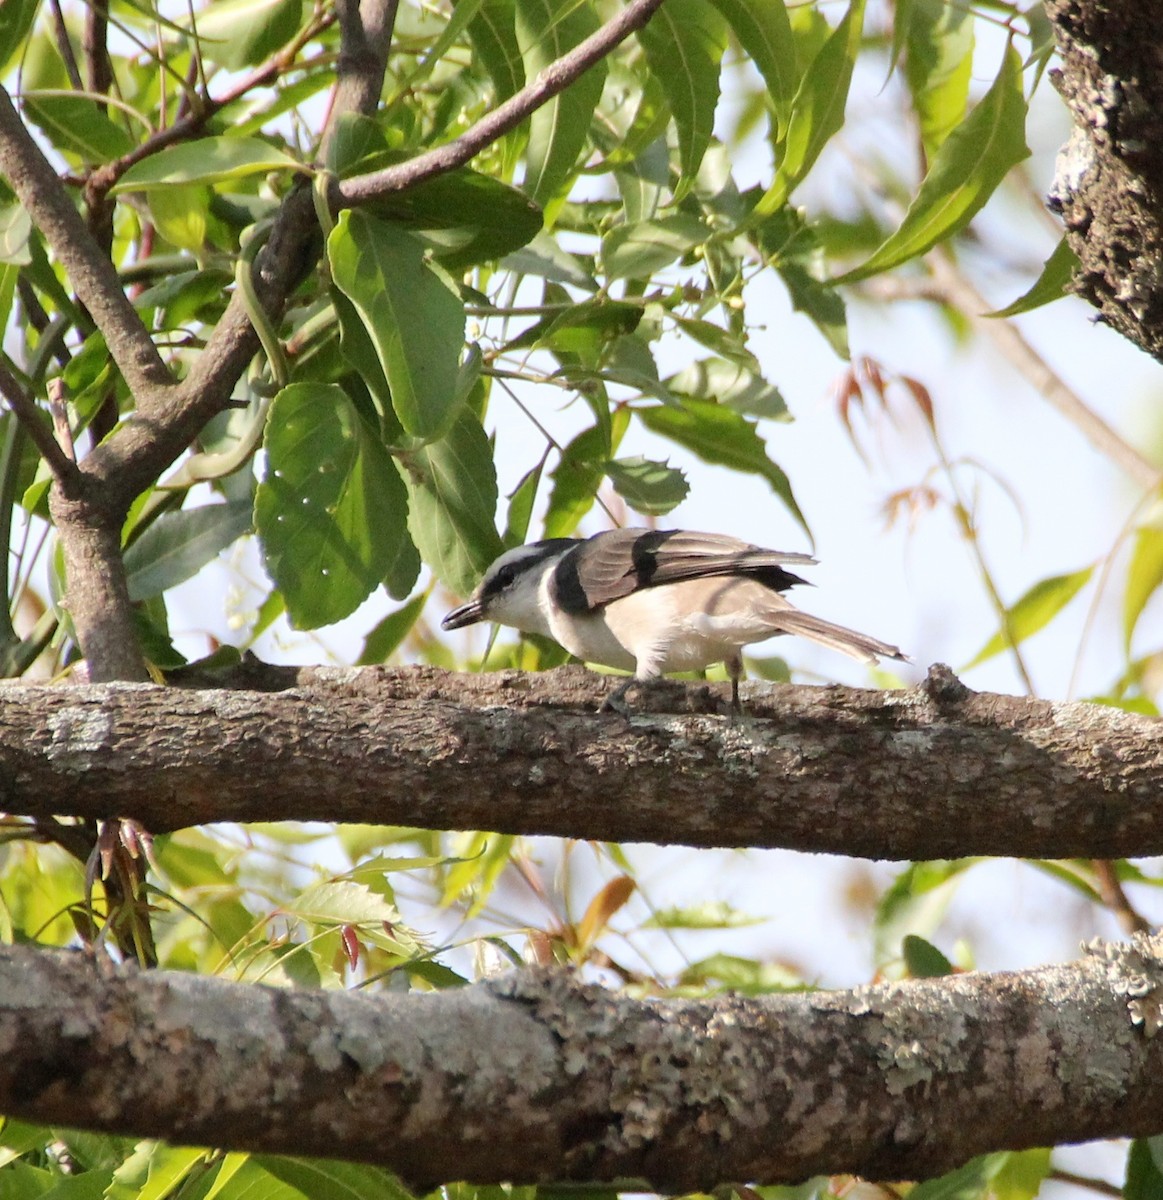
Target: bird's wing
(611, 565)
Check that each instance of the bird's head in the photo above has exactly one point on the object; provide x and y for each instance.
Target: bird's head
(510, 592)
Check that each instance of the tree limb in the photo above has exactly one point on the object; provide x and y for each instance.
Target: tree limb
(553, 80)
(27, 413)
(1109, 184)
(935, 772)
(535, 1076)
(91, 273)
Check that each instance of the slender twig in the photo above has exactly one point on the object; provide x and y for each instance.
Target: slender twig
(1085, 1181)
(65, 46)
(26, 412)
(1110, 888)
(92, 274)
(553, 80)
(1009, 339)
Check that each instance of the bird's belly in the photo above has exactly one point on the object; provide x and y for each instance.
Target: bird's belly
(588, 637)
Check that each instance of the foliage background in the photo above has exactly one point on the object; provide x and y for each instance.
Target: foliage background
(953, 510)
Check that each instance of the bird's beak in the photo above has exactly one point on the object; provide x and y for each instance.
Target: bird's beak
(466, 614)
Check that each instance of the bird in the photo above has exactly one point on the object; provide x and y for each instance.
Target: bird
(654, 601)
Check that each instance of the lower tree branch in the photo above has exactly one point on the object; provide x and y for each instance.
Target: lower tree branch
(29, 416)
(934, 772)
(536, 1076)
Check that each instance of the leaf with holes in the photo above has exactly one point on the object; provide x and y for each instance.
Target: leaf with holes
(331, 513)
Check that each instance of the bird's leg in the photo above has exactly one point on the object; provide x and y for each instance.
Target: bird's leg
(615, 701)
(735, 671)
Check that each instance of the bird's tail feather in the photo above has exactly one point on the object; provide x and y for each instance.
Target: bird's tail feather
(836, 637)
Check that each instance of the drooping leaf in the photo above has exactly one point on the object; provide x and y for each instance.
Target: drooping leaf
(179, 544)
(412, 313)
(684, 43)
(818, 108)
(1051, 284)
(611, 897)
(179, 215)
(972, 161)
(719, 435)
(651, 488)
(1033, 611)
(382, 642)
(638, 251)
(1144, 576)
(207, 160)
(713, 914)
(241, 33)
(331, 511)
(547, 29)
(521, 500)
(938, 40)
(732, 384)
(764, 31)
(452, 488)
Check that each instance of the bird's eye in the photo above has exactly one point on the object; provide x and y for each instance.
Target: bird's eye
(504, 577)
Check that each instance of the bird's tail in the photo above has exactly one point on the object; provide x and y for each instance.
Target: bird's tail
(836, 637)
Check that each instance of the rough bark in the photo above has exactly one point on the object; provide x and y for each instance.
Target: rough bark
(934, 772)
(535, 1076)
(1109, 185)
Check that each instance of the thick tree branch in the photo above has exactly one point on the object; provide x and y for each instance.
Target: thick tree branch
(1109, 185)
(535, 1077)
(91, 273)
(935, 772)
(554, 79)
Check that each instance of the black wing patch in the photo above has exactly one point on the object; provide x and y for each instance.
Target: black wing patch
(611, 565)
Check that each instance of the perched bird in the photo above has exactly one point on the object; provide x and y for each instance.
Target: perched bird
(654, 601)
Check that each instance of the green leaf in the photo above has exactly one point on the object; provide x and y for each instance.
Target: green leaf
(922, 959)
(335, 1180)
(76, 125)
(729, 383)
(764, 31)
(558, 130)
(331, 511)
(719, 435)
(15, 228)
(546, 258)
(938, 40)
(452, 488)
(241, 33)
(16, 18)
(179, 544)
(818, 108)
(713, 914)
(411, 311)
(153, 1171)
(744, 975)
(651, 488)
(494, 41)
(1022, 1175)
(914, 903)
(638, 251)
(179, 214)
(971, 163)
(970, 1182)
(1144, 1170)
(1036, 609)
(1052, 284)
(1144, 575)
(521, 500)
(684, 43)
(207, 160)
(383, 641)
(579, 474)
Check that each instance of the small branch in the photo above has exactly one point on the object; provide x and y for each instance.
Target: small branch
(365, 29)
(551, 81)
(536, 1077)
(65, 46)
(933, 772)
(1085, 1181)
(91, 273)
(29, 416)
(1008, 338)
(1115, 898)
